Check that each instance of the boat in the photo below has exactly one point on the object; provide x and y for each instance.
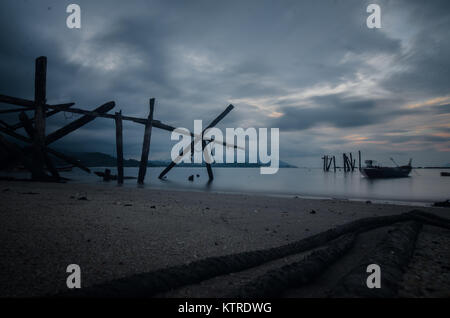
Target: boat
(373, 171)
(445, 174)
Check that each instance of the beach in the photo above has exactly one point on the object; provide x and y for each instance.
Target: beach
(115, 232)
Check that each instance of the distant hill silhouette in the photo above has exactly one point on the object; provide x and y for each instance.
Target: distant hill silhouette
(98, 159)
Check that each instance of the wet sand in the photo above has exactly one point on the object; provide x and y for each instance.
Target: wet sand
(114, 232)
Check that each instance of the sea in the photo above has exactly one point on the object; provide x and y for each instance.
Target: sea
(422, 188)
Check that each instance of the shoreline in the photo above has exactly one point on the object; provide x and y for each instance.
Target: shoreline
(249, 193)
(262, 193)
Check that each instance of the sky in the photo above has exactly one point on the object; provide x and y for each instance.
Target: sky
(313, 69)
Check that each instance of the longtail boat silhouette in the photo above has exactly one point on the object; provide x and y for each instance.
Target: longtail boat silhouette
(373, 171)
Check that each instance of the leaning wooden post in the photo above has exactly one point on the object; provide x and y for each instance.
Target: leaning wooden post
(345, 162)
(146, 144)
(40, 80)
(352, 164)
(208, 165)
(330, 162)
(119, 147)
(323, 158)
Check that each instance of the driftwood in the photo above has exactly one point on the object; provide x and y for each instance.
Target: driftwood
(152, 283)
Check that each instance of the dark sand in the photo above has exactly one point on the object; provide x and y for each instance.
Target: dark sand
(115, 232)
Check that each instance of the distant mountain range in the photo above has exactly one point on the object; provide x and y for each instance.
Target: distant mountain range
(98, 159)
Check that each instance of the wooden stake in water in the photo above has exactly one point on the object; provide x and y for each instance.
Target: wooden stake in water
(146, 144)
(119, 146)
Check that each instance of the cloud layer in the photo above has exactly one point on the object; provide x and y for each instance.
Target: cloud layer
(311, 68)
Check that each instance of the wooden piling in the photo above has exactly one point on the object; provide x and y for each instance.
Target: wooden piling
(27, 124)
(119, 147)
(40, 97)
(334, 163)
(146, 144)
(39, 117)
(352, 163)
(192, 149)
(330, 161)
(208, 165)
(344, 160)
(359, 159)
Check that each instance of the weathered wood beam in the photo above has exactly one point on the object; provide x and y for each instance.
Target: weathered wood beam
(15, 135)
(119, 147)
(29, 129)
(47, 114)
(31, 132)
(352, 163)
(16, 110)
(16, 101)
(40, 79)
(197, 138)
(330, 161)
(359, 159)
(68, 159)
(344, 160)
(54, 136)
(62, 156)
(146, 144)
(142, 121)
(208, 165)
(17, 152)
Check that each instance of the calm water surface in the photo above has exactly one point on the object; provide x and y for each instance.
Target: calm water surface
(423, 186)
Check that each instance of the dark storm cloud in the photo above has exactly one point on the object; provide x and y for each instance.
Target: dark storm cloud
(339, 111)
(426, 66)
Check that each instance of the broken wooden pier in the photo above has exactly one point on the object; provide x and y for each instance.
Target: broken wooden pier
(36, 153)
(348, 162)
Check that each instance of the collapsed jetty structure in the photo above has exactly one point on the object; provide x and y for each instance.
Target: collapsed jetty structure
(37, 154)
